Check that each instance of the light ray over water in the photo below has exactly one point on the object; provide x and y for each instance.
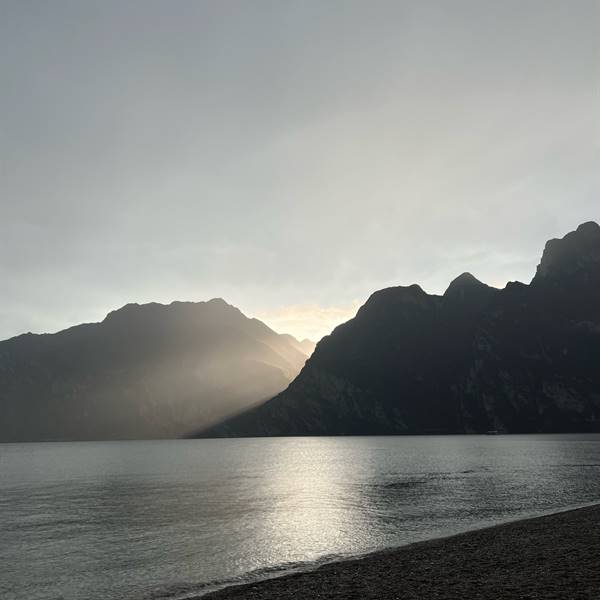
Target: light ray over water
(167, 519)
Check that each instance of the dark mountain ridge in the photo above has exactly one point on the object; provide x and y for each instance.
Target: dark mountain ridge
(145, 371)
(522, 359)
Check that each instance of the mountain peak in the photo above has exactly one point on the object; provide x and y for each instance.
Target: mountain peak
(466, 288)
(218, 302)
(152, 310)
(462, 282)
(393, 301)
(590, 227)
(571, 255)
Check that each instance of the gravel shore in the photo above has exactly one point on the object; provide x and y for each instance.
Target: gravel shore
(555, 556)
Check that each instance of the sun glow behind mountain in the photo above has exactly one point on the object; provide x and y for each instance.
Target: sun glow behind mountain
(310, 321)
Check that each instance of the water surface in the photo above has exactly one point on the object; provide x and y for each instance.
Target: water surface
(168, 519)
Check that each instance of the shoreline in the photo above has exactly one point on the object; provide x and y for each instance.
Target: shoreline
(554, 555)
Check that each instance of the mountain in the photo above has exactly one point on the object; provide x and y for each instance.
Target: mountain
(146, 371)
(522, 359)
(305, 346)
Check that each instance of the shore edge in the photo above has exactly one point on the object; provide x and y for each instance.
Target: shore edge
(555, 555)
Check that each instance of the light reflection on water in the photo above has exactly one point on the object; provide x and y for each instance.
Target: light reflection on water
(132, 520)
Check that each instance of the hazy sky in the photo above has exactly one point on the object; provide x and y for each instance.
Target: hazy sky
(288, 156)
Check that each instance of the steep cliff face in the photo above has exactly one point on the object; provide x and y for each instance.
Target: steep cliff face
(522, 359)
(145, 371)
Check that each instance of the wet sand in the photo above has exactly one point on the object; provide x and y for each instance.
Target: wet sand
(555, 556)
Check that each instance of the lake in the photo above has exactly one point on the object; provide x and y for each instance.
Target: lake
(171, 519)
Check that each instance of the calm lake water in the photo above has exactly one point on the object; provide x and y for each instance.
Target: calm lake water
(169, 519)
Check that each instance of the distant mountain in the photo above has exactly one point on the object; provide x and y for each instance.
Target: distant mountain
(305, 346)
(522, 359)
(146, 371)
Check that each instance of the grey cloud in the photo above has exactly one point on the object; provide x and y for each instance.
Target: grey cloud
(281, 153)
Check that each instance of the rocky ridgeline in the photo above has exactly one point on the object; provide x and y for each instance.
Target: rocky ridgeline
(146, 371)
(522, 359)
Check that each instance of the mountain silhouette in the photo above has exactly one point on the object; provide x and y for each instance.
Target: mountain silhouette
(146, 371)
(525, 358)
(305, 346)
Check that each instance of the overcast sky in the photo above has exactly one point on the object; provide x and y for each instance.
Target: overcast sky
(289, 156)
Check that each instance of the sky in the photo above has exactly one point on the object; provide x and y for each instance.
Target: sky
(290, 157)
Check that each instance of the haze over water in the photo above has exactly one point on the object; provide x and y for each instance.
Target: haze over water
(167, 519)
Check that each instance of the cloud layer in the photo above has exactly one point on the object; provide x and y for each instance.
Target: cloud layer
(286, 153)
